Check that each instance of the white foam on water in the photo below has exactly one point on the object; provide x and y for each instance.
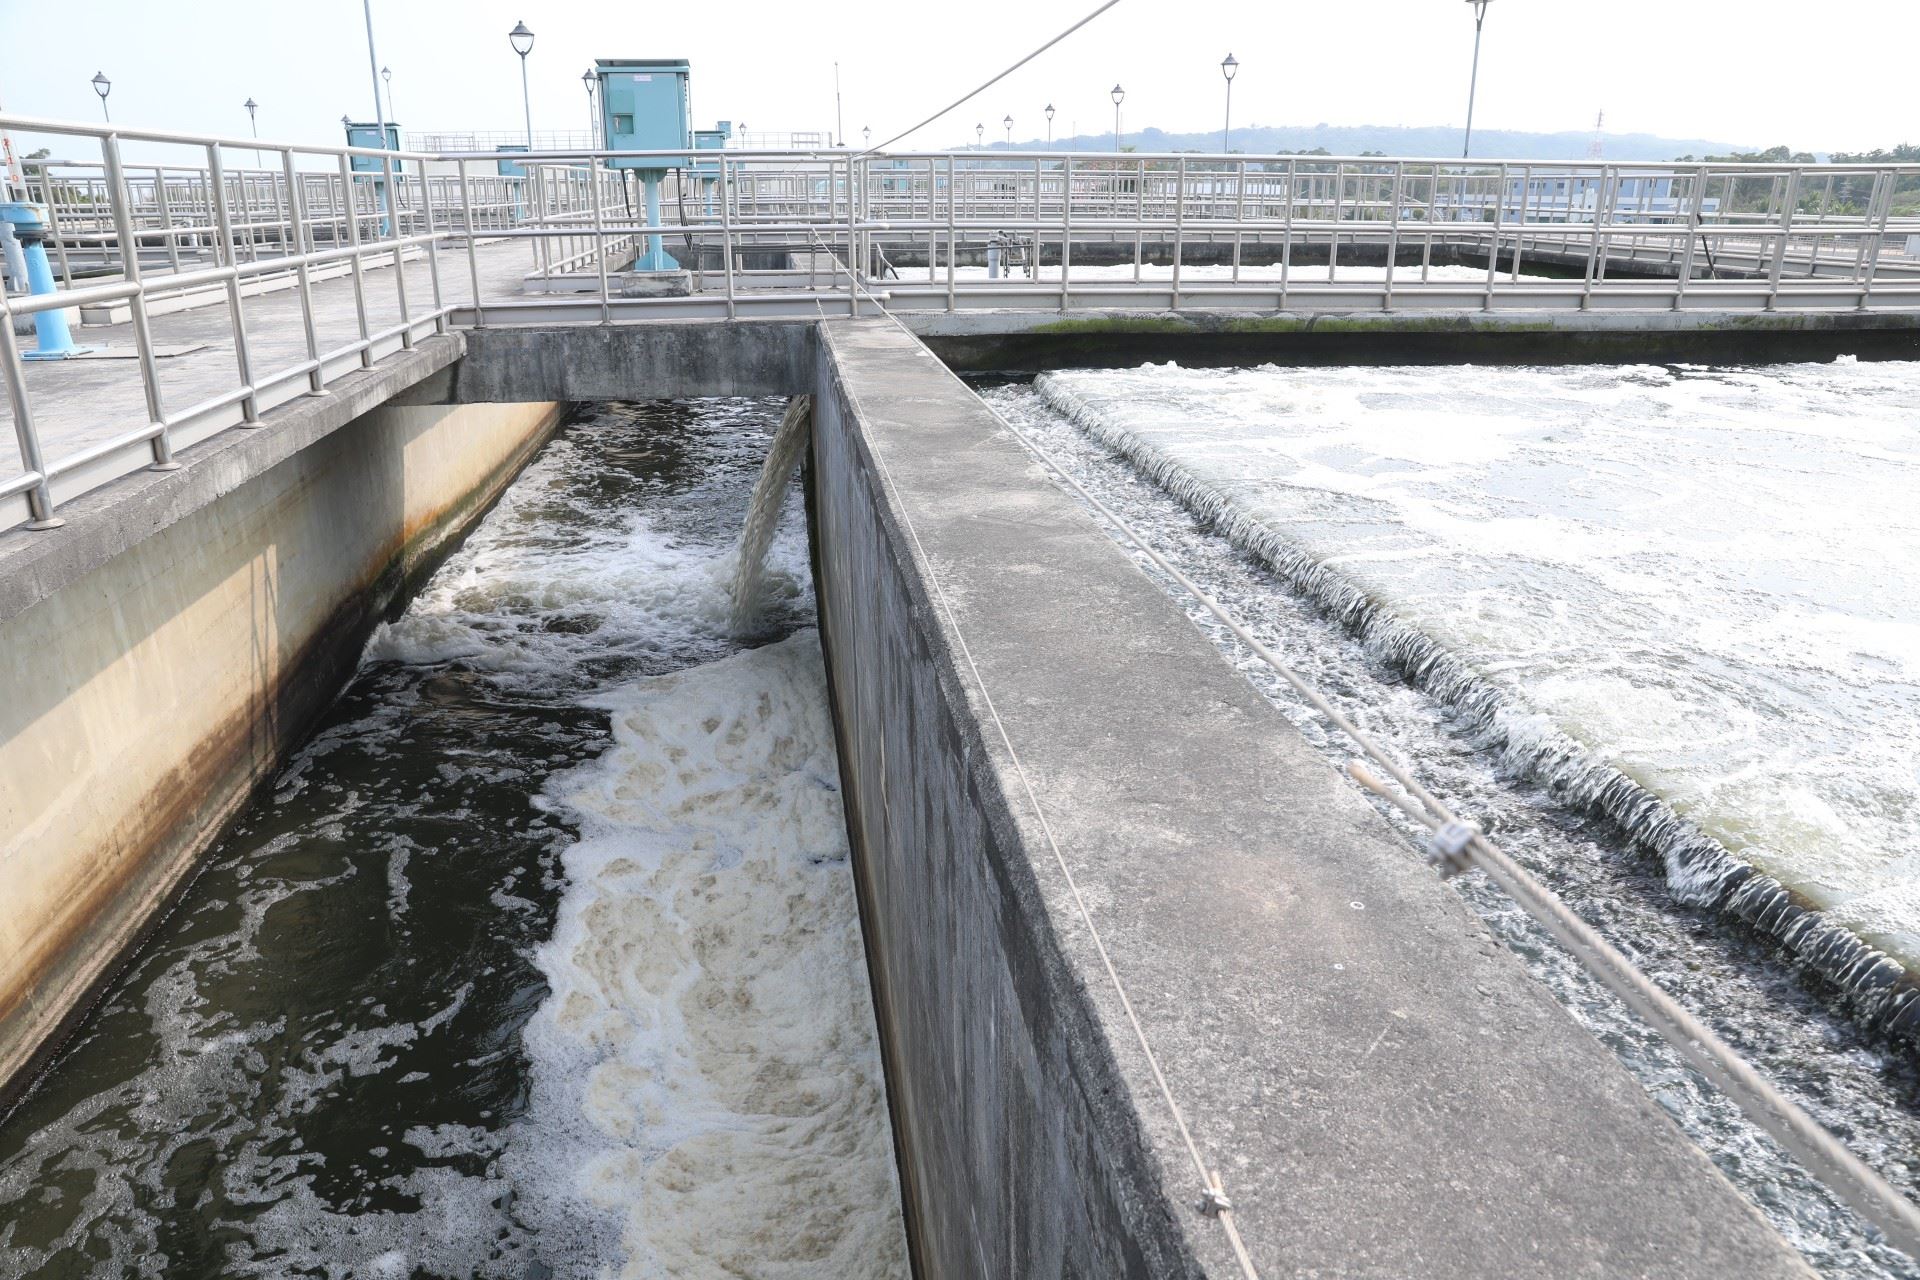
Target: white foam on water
(1704, 579)
(768, 1151)
(707, 1086)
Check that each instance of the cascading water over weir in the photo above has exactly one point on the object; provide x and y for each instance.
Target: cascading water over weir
(763, 512)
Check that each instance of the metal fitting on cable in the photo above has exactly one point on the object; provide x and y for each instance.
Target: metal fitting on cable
(1213, 1201)
(1447, 849)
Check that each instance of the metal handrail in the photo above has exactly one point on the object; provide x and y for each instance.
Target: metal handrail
(130, 236)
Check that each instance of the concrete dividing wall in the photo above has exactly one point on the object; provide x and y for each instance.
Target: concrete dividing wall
(1382, 1087)
(166, 647)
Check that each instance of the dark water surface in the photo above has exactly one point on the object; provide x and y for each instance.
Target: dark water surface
(317, 1066)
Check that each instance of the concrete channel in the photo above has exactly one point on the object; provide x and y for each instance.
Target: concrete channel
(1111, 899)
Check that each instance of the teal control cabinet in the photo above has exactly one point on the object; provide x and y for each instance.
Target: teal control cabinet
(367, 134)
(644, 106)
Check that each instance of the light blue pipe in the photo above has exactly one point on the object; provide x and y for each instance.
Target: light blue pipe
(54, 338)
(656, 258)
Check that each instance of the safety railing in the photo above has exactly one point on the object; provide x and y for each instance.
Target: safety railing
(325, 259)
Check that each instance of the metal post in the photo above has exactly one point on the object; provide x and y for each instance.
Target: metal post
(1179, 225)
(433, 250)
(228, 256)
(1693, 220)
(726, 234)
(379, 107)
(120, 197)
(1889, 181)
(1066, 236)
(1473, 84)
(356, 262)
(26, 436)
(526, 100)
(473, 256)
(296, 232)
(600, 245)
(399, 257)
(1780, 246)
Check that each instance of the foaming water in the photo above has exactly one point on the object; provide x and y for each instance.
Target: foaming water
(1678, 595)
(383, 1032)
(763, 513)
(1861, 1088)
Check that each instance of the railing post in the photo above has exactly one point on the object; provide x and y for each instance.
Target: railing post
(433, 248)
(1239, 211)
(1179, 225)
(119, 197)
(1883, 187)
(473, 255)
(1066, 235)
(600, 246)
(356, 261)
(852, 263)
(40, 497)
(303, 274)
(1393, 235)
(1791, 204)
(399, 251)
(227, 255)
(1695, 207)
(1493, 254)
(1602, 211)
(1286, 234)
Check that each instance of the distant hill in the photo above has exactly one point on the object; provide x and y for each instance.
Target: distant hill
(1395, 140)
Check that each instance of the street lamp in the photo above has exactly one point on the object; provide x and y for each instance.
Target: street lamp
(588, 79)
(866, 136)
(1229, 67)
(1049, 126)
(1009, 123)
(1473, 84)
(386, 75)
(522, 41)
(1119, 96)
(979, 135)
(103, 86)
(254, 120)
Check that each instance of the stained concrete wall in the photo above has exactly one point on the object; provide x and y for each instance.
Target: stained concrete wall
(1382, 1086)
(166, 647)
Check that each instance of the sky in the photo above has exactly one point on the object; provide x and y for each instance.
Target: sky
(1754, 73)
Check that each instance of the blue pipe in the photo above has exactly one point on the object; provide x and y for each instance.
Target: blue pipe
(656, 258)
(54, 339)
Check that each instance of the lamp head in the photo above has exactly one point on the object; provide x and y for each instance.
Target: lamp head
(1119, 95)
(102, 85)
(1229, 66)
(521, 39)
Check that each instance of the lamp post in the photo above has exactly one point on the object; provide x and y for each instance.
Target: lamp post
(1473, 84)
(1008, 122)
(254, 121)
(979, 135)
(593, 116)
(1119, 96)
(522, 41)
(1229, 67)
(103, 87)
(866, 136)
(386, 76)
(1049, 126)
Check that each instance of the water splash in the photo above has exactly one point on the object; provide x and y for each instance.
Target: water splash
(1701, 870)
(763, 513)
